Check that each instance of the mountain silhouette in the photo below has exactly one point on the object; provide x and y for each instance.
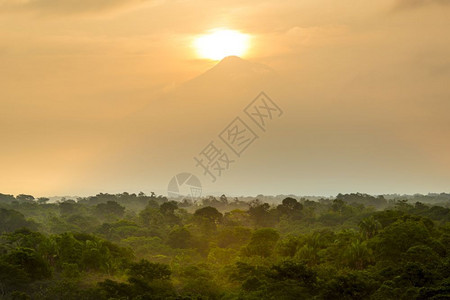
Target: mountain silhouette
(231, 74)
(232, 70)
(227, 87)
(178, 125)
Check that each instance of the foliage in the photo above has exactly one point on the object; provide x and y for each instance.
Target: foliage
(128, 246)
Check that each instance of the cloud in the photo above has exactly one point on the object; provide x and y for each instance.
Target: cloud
(411, 4)
(68, 6)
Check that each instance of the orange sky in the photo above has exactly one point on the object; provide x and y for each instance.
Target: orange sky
(93, 95)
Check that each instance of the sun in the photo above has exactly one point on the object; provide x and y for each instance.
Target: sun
(220, 43)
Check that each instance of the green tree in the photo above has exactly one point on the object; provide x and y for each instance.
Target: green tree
(358, 255)
(43, 200)
(168, 207)
(109, 209)
(398, 237)
(11, 220)
(260, 213)
(28, 260)
(291, 208)
(24, 198)
(369, 227)
(147, 271)
(209, 213)
(12, 277)
(262, 243)
(180, 238)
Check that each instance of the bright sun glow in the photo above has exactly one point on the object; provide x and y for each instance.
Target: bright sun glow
(221, 43)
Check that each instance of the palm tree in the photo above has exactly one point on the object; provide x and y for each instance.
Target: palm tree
(308, 254)
(369, 227)
(358, 255)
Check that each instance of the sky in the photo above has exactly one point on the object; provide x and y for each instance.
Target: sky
(111, 96)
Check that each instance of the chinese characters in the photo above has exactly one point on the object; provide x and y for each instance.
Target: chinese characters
(237, 137)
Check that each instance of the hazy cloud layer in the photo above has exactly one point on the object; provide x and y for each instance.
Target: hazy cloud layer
(365, 94)
(68, 6)
(409, 4)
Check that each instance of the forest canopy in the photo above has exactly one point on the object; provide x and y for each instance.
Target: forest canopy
(128, 246)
